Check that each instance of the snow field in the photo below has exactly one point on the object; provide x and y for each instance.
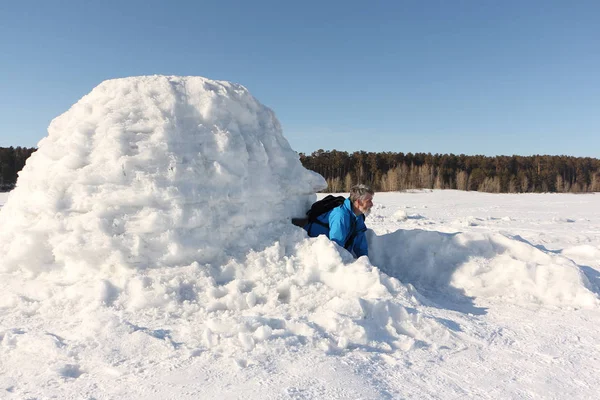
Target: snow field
(299, 294)
(147, 253)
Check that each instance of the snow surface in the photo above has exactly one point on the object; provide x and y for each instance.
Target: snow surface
(146, 253)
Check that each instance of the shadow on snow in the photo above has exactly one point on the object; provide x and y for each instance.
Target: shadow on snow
(427, 260)
(593, 276)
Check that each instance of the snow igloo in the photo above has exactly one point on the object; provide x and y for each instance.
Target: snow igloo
(154, 171)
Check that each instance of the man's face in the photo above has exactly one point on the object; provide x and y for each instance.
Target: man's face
(364, 206)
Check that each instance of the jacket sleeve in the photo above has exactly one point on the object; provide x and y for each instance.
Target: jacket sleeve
(339, 227)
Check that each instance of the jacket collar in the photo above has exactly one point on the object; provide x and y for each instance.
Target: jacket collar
(348, 207)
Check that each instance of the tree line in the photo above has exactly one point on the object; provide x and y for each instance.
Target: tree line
(388, 171)
(12, 160)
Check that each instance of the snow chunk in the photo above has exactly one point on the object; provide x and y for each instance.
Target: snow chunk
(400, 216)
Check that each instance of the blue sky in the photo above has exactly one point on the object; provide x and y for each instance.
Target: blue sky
(473, 77)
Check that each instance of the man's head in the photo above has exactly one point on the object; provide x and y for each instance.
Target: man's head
(361, 197)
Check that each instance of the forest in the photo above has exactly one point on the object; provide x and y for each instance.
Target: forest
(12, 160)
(389, 171)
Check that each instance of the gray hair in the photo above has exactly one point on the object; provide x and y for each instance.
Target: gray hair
(359, 192)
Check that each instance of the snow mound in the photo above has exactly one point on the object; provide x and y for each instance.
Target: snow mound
(489, 265)
(153, 171)
(153, 224)
(297, 293)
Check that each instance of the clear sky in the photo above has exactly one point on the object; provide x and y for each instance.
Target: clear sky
(473, 77)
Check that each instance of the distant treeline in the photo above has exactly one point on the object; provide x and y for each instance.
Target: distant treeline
(12, 160)
(501, 174)
(389, 171)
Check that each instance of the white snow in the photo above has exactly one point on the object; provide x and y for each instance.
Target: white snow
(146, 253)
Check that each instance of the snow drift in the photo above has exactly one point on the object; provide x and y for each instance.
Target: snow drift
(484, 265)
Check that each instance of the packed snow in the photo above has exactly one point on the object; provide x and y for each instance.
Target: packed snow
(147, 253)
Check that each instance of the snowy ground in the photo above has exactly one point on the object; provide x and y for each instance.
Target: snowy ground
(147, 253)
(490, 297)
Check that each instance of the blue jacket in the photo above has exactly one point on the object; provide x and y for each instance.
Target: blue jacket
(342, 224)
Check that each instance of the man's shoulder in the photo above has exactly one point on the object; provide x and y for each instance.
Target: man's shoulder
(339, 212)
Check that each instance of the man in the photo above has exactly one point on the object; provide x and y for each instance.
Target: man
(345, 224)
